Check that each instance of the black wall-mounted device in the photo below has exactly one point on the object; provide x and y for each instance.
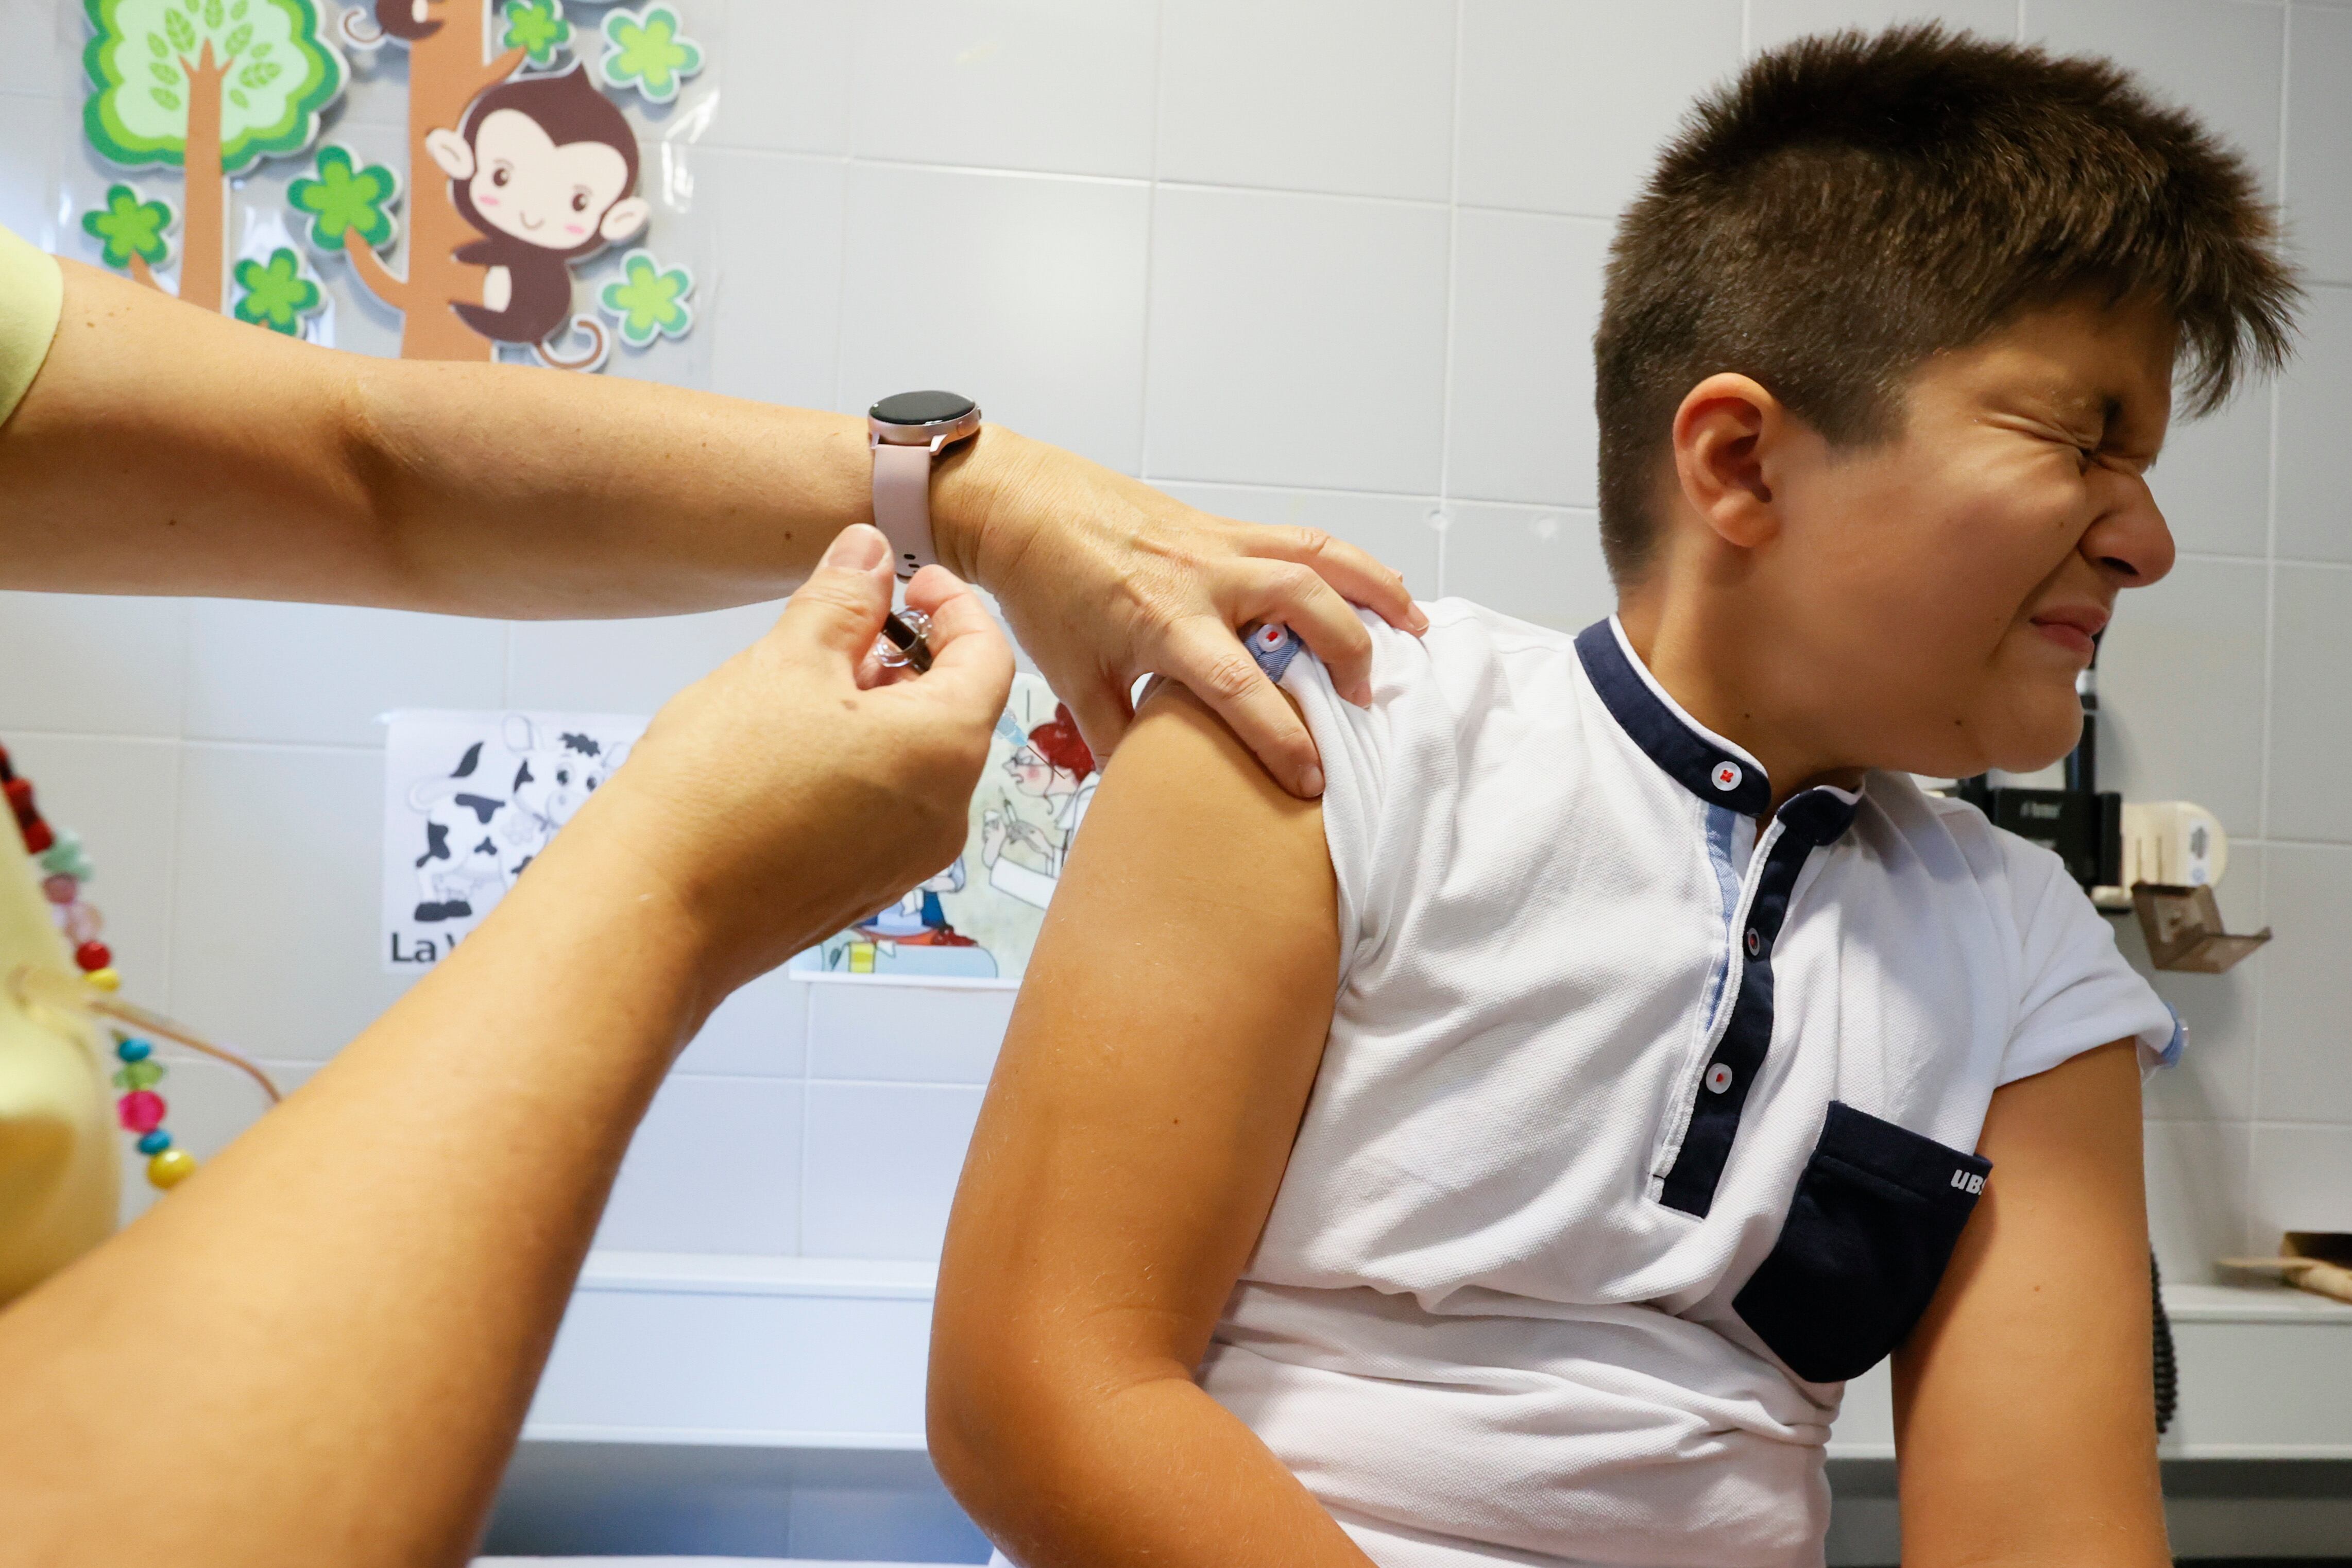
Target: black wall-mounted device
(2083, 824)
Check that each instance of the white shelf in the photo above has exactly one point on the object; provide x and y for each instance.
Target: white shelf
(797, 1353)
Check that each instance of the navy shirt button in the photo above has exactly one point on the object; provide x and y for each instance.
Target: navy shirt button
(1755, 942)
(1718, 1078)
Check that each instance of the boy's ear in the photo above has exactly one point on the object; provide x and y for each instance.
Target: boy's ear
(1724, 433)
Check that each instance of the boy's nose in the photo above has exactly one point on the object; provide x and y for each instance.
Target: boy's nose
(2130, 542)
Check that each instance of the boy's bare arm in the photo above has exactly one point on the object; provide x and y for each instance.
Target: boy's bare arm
(2024, 1414)
(1132, 1142)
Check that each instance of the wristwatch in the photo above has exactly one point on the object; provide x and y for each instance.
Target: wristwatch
(907, 431)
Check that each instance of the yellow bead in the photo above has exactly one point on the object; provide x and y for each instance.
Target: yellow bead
(105, 979)
(171, 1167)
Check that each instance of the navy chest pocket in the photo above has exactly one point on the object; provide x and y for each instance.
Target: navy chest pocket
(1877, 1216)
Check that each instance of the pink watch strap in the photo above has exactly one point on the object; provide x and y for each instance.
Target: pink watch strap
(902, 504)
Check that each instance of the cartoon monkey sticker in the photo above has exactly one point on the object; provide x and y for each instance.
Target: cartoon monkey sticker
(545, 168)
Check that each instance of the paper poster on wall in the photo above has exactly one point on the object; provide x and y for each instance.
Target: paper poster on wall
(469, 800)
(975, 922)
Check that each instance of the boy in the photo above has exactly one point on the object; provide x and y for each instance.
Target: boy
(1510, 1159)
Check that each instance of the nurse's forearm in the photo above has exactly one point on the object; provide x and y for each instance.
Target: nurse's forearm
(164, 449)
(319, 1350)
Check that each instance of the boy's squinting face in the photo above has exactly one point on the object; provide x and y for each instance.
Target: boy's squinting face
(1949, 581)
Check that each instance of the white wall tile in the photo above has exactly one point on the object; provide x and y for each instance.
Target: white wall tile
(2215, 1076)
(787, 83)
(2180, 691)
(1771, 22)
(776, 225)
(34, 45)
(122, 797)
(1025, 292)
(376, 94)
(714, 1167)
(1538, 563)
(2318, 135)
(1350, 97)
(28, 177)
(1400, 529)
(905, 1033)
(2303, 1181)
(625, 666)
(2224, 58)
(2315, 519)
(1527, 298)
(1057, 86)
(761, 1031)
(1564, 108)
(92, 664)
(2214, 479)
(1297, 340)
(2306, 1027)
(324, 673)
(2196, 1203)
(2311, 747)
(275, 919)
(882, 1166)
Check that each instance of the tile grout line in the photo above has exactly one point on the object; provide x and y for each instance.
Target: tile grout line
(1442, 519)
(1150, 237)
(800, 1197)
(175, 771)
(2269, 667)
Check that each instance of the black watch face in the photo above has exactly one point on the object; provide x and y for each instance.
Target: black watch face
(922, 408)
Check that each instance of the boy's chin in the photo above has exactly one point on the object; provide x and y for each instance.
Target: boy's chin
(2037, 744)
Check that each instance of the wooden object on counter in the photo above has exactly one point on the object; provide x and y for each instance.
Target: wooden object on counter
(2313, 1260)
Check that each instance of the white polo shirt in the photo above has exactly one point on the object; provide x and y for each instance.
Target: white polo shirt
(1639, 1129)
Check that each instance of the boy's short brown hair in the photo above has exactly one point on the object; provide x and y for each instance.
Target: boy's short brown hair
(1852, 204)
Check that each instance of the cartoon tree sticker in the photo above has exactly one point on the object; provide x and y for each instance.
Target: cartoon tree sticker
(646, 50)
(347, 197)
(136, 234)
(649, 300)
(537, 28)
(276, 295)
(209, 86)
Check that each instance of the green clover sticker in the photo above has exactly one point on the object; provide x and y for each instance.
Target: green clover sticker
(128, 226)
(347, 198)
(276, 295)
(537, 27)
(649, 300)
(646, 51)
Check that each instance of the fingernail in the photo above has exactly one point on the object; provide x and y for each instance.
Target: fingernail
(860, 548)
(1311, 782)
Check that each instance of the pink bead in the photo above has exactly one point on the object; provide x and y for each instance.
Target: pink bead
(61, 888)
(141, 1111)
(83, 922)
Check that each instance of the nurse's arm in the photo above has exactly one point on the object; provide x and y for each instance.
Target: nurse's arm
(166, 449)
(2024, 1415)
(1141, 1114)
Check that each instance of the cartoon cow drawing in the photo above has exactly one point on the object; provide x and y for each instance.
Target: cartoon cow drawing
(479, 835)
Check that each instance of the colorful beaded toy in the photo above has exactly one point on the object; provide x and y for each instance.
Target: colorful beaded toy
(141, 1110)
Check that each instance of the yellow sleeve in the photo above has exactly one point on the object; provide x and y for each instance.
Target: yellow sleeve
(32, 295)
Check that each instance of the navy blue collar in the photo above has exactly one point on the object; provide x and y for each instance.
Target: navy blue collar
(1694, 759)
(1702, 763)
